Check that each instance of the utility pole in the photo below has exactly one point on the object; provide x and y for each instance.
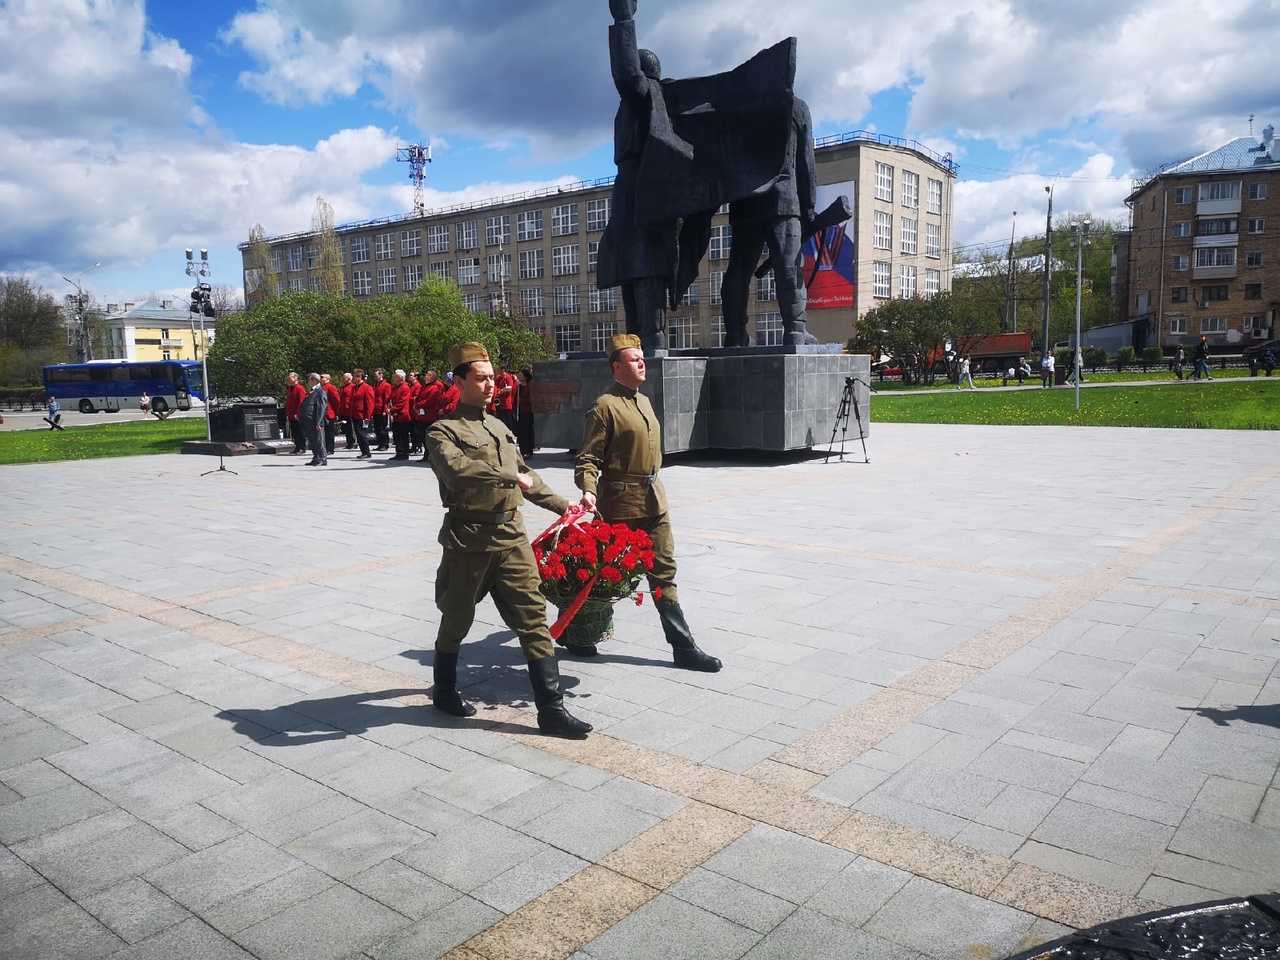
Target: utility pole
(1081, 241)
(84, 343)
(1048, 258)
(1010, 309)
(202, 304)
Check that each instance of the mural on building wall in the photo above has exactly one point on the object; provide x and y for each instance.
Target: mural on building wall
(828, 256)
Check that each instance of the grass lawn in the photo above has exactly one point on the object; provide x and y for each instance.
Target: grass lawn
(100, 440)
(1242, 404)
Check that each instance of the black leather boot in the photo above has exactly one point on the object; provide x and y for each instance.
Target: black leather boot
(445, 694)
(685, 652)
(553, 718)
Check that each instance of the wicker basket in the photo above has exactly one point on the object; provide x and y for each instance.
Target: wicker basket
(591, 625)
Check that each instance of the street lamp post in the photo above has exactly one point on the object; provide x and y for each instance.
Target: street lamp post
(1081, 241)
(84, 341)
(1048, 255)
(202, 304)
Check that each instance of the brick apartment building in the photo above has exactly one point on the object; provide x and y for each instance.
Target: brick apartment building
(537, 252)
(1204, 249)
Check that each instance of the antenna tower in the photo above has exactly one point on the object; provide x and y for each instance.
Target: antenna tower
(417, 156)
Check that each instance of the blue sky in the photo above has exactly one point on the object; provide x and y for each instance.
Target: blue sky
(130, 130)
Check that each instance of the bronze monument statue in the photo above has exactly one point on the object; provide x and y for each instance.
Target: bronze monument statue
(683, 149)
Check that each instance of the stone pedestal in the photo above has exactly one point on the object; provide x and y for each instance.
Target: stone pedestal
(755, 398)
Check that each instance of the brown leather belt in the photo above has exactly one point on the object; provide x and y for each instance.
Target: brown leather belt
(472, 516)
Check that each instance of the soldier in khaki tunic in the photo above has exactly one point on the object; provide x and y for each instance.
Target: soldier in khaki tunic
(483, 481)
(617, 470)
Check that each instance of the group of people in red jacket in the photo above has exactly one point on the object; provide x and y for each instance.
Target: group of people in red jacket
(398, 411)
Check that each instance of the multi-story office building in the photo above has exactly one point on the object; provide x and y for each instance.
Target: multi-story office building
(1204, 258)
(537, 252)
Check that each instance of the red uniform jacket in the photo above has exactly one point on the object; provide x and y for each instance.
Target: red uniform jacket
(504, 392)
(445, 401)
(362, 402)
(344, 408)
(381, 397)
(293, 401)
(335, 401)
(401, 399)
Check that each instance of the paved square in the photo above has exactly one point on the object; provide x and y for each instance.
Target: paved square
(997, 684)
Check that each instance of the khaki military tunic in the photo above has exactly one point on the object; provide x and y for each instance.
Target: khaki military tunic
(486, 549)
(618, 461)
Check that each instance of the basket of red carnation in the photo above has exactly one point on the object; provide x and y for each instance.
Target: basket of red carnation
(586, 567)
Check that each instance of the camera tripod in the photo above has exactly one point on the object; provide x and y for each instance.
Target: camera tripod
(848, 399)
(222, 467)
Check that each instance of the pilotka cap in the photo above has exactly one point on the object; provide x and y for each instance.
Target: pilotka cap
(467, 353)
(623, 341)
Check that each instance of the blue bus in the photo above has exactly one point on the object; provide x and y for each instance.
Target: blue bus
(114, 385)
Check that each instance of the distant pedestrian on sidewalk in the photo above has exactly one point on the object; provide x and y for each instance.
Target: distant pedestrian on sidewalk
(1046, 369)
(1268, 361)
(965, 375)
(144, 404)
(1201, 358)
(55, 414)
(1179, 361)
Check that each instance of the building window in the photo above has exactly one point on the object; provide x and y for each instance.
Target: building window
(295, 259)
(468, 271)
(568, 337)
(410, 243)
(907, 282)
(499, 267)
(564, 260)
(682, 333)
(717, 331)
(1253, 291)
(910, 190)
(385, 245)
(1257, 224)
(882, 238)
(601, 332)
(692, 295)
(1178, 295)
(535, 305)
(908, 238)
(767, 288)
(1218, 227)
(1216, 257)
(1182, 228)
(602, 301)
(1178, 325)
(593, 255)
(311, 256)
(497, 230)
(933, 240)
(564, 219)
(531, 264)
(1220, 190)
(277, 260)
(412, 277)
(313, 284)
(361, 283)
(1213, 325)
(438, 238)
(935, 196)
(1253, 259)
(884, 182)
(473, 302)
(468, 236)
(565, 300)
(932, 282)
(1253, 324)
(1181, 195)
(1181, 262)
(880, 285)
(529, 225)
(296, 285)
(721, 238)
(1257, 191)
(769, 329)
(1215, 291)
(714, 282)
(386, 279)
(598, 212)
(442, 269)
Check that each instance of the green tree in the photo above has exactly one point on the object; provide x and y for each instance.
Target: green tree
(328, 250)
(260, 274)
(919, 331)
(330, 333)
(32, 332)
